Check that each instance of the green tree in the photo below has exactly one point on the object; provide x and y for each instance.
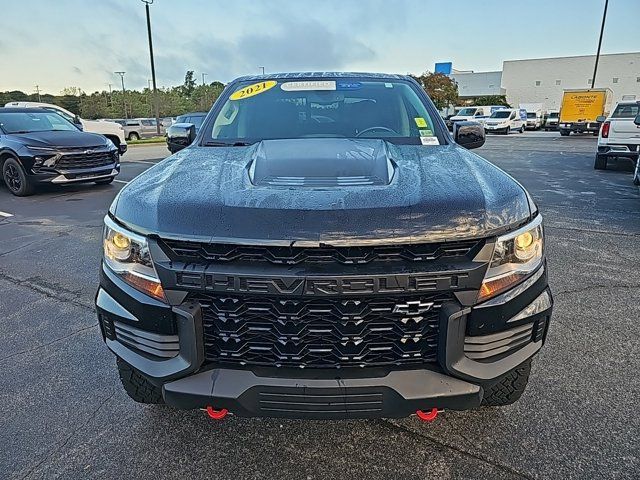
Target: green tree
(492, 100)
(441, 88)
(189, 83)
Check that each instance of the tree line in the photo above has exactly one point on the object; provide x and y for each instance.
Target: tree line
(190, 97)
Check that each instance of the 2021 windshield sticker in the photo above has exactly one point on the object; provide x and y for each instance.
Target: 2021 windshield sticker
(251, 90)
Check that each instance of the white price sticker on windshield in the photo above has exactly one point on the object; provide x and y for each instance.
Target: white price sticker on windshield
(429, 141)
(309, 86)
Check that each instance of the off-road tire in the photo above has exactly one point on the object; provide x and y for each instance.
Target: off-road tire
(601, 162)
(137, 386)
(508, 388)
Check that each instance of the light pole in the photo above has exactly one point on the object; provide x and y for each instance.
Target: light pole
(153, 68)
(595, 68)
(124, 100)
(262, 68)
(203, 75)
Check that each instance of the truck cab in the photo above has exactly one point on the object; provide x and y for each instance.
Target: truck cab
(619, 135)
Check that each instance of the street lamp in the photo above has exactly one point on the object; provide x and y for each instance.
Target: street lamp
(203, 75)
(595, 68)
(262, 68)
(153, 68)
(124, 101)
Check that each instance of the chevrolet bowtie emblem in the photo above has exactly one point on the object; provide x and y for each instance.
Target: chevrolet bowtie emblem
(413, 307)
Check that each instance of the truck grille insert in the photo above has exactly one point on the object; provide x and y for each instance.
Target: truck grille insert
(320, 332)
(227, 253)
(70, 161)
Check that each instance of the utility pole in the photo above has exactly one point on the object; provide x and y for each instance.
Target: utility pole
(151, 99)
(124, 100)
(262, 68)
(153, 68)
(110, 97)
(595, 68)
(203, 75)
(38, 92)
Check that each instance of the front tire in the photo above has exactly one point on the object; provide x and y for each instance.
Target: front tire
(522, 129)
(137, 386)
(601, 162)
(565, 133)
(16, 179)
(508, 388)
(133, 136)
(507, 130)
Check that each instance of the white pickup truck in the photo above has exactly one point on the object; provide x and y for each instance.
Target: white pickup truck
(111, 130)
(619, 135)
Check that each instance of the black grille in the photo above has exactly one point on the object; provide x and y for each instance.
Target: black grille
(69, 161)
(320, 332)
(228, 253)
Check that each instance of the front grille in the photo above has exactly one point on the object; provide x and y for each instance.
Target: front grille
(70, 161)
(320, 332)
(194, 252)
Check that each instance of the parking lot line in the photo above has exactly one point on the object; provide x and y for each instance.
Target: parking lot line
(121, 181)
(140, 161)
(5, 214)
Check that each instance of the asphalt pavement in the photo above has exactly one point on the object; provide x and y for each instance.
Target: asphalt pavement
(63, 413)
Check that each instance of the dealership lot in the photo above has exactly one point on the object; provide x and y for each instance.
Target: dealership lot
(64, 413)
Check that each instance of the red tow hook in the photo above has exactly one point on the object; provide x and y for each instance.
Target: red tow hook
(428, 416)
(217, 414)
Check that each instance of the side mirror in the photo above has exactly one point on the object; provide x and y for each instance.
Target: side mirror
(180, 135)
(600, 118)
(637, 120)
(469, 134)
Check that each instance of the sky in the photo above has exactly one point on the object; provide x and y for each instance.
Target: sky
(80, 43)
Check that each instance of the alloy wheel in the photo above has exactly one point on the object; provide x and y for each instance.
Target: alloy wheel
(12, 178)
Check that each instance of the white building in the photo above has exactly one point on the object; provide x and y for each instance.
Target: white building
(472, 84)
(543, 80)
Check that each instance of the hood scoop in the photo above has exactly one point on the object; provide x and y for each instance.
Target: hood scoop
(321, 162)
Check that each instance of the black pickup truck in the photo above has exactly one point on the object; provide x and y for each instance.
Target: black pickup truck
(324, 248)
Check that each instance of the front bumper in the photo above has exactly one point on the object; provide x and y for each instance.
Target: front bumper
(77, 175)
(476, 346)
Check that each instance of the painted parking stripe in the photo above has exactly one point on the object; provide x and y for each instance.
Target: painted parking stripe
(140, 161)
(121, 181)
(5, 214)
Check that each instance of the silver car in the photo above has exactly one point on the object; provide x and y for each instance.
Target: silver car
(137, 128)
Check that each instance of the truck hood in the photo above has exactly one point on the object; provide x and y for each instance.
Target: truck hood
(365, 191)
(61, 138)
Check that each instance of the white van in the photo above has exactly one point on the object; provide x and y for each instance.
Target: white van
(474, 114)
(505, 121)
(111, 130)
(535, 115)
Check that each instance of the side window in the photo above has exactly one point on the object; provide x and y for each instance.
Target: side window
(61, 113)
(147, 123)
(132, 123)
(513, 116)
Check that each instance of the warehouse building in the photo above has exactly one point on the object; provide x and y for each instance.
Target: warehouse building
(543, 80)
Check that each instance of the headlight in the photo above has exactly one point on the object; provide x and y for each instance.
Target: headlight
(127, 255)
(515, 256)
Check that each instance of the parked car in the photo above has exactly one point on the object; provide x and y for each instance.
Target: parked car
(581, 108)
(137, 128)
(506, 121)
(551, 120)
(619, 135)
(111, 130)
(39, 146)
(535, 115)
(476, 114)
(324, 248)
(176, 142)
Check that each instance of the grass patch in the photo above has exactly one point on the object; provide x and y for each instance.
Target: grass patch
(144, 141)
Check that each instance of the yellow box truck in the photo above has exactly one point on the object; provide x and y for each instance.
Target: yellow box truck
(580, 109)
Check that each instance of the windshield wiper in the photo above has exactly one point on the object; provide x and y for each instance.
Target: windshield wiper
(227, 144)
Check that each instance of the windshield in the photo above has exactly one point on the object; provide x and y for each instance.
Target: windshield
(554, 115)
(531, 115)
(23, 122)
(501, 114)
(626, 111)
(323, 108)
(467, 112)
